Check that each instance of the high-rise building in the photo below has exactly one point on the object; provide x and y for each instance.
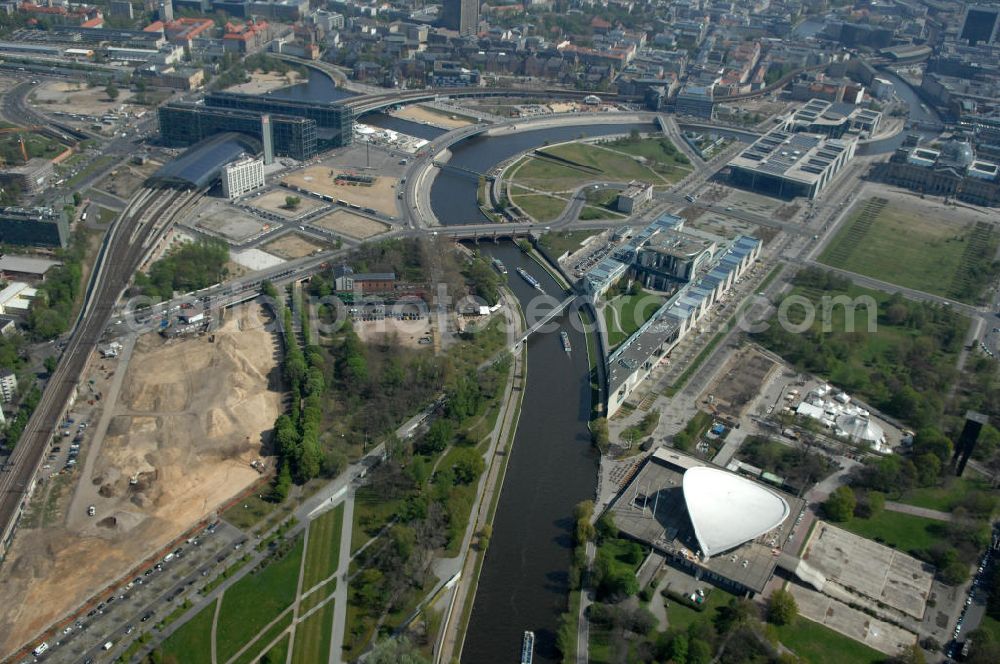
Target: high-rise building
(242, 176)
(462, 15)
(966, 443)
(267, 139)
(166, 11)
(8, 385)
(982, 23)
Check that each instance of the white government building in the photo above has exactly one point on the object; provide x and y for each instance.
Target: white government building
(242, 176)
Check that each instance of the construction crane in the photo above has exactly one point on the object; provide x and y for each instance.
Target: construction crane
(20, 139)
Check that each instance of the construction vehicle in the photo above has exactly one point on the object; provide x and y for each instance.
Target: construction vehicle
(20, 139)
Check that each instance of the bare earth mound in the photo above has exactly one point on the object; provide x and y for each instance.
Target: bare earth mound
(190, 417)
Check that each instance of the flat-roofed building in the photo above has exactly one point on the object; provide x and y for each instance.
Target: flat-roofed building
(789, 165)
(16, 298)
(34, 227)
(242, 176)
(634, 196)
(25, 268)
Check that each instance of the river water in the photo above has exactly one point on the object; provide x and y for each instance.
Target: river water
(453, 195)
(552, 467)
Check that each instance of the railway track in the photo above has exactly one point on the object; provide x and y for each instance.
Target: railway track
(148, 216)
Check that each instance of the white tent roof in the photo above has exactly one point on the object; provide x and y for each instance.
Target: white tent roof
(860, 429)
(727, 510)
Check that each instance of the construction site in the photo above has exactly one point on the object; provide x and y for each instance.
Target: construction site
(180, 431)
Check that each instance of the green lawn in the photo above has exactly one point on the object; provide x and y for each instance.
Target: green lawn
(312, 637)
(662, 154)
(97, 165)
(316, 597)
(991, 626)
(540, 207)
(105, 215)
(559, 243)
(902, 531)
(278, 654)
(253, 651)
(632, 311)
(897, 354)
(256, 600)
(323, 553)
(927, 253)
(681, 617)
(589, 212)
(192, 642)
(588, 163)
(248, 512)
(946, 496)
(818, 644)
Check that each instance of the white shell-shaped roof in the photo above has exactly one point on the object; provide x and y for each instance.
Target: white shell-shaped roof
(727, 510)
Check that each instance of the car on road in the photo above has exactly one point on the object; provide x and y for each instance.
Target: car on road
(91, 511)
(146, 617)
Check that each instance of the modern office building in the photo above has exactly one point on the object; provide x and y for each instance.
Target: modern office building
(696, 101)
(183, 124)
(462, 15)
(833, 119)
(787, 165)
(43, 227)
(981, 24)
(334, 121)
(242, 176)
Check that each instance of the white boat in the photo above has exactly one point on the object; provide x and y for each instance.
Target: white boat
(528, 648)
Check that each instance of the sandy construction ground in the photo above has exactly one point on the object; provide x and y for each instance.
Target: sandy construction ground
(274, 202)
(350, 224)
(190, 418)
(260, 82)
(127, 178)
(436, 118)
(380, 196)
(406, 333)
(76, 97)
(292, 246)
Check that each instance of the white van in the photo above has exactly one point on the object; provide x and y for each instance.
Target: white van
(109, 645)
(42, 647)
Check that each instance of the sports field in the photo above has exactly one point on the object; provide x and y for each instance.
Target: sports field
(897, 243)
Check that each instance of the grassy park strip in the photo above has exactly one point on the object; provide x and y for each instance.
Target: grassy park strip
(323, 553)
(256, 600)
(191, 643)
(312, 636)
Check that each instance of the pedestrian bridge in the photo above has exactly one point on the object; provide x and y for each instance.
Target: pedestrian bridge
(557, 310)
